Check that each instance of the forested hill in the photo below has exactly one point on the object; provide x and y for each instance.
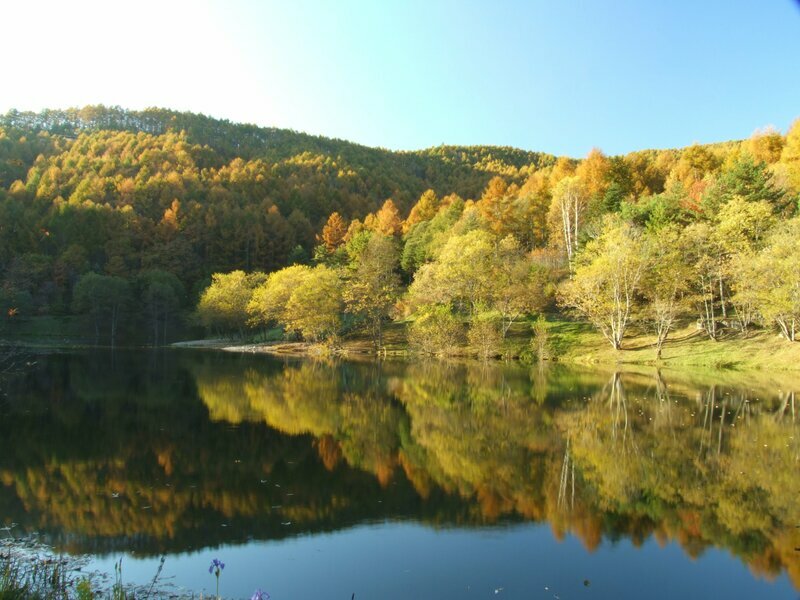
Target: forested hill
(402, 176)
(145, 206)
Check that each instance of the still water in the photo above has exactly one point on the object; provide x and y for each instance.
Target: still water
(426, 480)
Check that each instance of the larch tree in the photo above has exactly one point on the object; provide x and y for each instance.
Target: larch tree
(766, 145)
(387, 219)
(424, 210)
(334, 231)
(790, 156)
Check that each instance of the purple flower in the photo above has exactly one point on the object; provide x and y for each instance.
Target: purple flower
(259, 595)
(216, 565)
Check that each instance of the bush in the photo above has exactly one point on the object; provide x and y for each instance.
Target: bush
(540, 342)
(485, 335)
(436, 331)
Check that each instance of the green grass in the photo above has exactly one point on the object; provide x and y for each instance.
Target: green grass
(578, 342)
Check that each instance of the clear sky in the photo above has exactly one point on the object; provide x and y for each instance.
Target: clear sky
(547, 75)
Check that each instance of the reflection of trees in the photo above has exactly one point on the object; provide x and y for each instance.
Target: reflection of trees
(596, 454)
(720, 469)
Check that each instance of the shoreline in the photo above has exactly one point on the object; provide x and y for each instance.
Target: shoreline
(573, 343)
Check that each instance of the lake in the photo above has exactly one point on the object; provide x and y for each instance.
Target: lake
(318, 479)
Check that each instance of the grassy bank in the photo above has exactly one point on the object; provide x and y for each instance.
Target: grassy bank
(577, 342)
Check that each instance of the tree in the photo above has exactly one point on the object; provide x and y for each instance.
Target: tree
(495, 205)
(519, 286)
(790, 156)
(702, 254)
(485, 334)
(103, 298)
(606, 279)
(666, 282)
(223, 304)
(424, 210)
(314, 307)
(593, 172)
(333, 232)
(766, 145)
(387, 220)
(373, 286)
(569, 204)
(744, 178)
(268, 302)
(776, 278)
(462, 273)
(436, 331)
(161, 294)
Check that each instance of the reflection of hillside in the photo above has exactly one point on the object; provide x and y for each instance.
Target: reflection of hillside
(701, 461)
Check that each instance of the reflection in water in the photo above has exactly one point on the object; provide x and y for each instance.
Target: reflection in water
(185, 450)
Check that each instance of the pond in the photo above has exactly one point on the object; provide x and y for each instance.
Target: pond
(318, 479)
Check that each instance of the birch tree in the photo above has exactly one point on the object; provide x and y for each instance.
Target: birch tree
(606, 278)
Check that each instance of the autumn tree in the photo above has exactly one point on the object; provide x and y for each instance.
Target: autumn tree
(766, 145)
(606, 279)
(568, 208)
(314, 307)
(373, 285)
(666, 282)
(436, 331)
(519, 285)
(267, 305)
(790, 156)
(424, 210)
(223, 304)
(387, 220)
(774, 280)
(495, 205)
(333, 232)
(462, 273)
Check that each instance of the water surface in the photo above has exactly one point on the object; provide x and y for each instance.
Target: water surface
(394, 480)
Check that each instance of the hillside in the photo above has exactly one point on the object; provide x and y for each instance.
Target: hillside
(160, 200)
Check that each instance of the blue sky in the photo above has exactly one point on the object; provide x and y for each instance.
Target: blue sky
(561, 77)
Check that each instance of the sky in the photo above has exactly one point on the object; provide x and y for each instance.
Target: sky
(560, 77)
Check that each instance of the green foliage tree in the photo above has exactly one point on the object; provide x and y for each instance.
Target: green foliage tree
(314, 307)
(485, 335)
(436, 331)
(223, 304)
(373, 285)
(104, 298)
(606, 279)
(268, 302)
(666, 282)
(161, 295)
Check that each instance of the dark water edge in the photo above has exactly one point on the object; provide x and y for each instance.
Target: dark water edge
(421, 479)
